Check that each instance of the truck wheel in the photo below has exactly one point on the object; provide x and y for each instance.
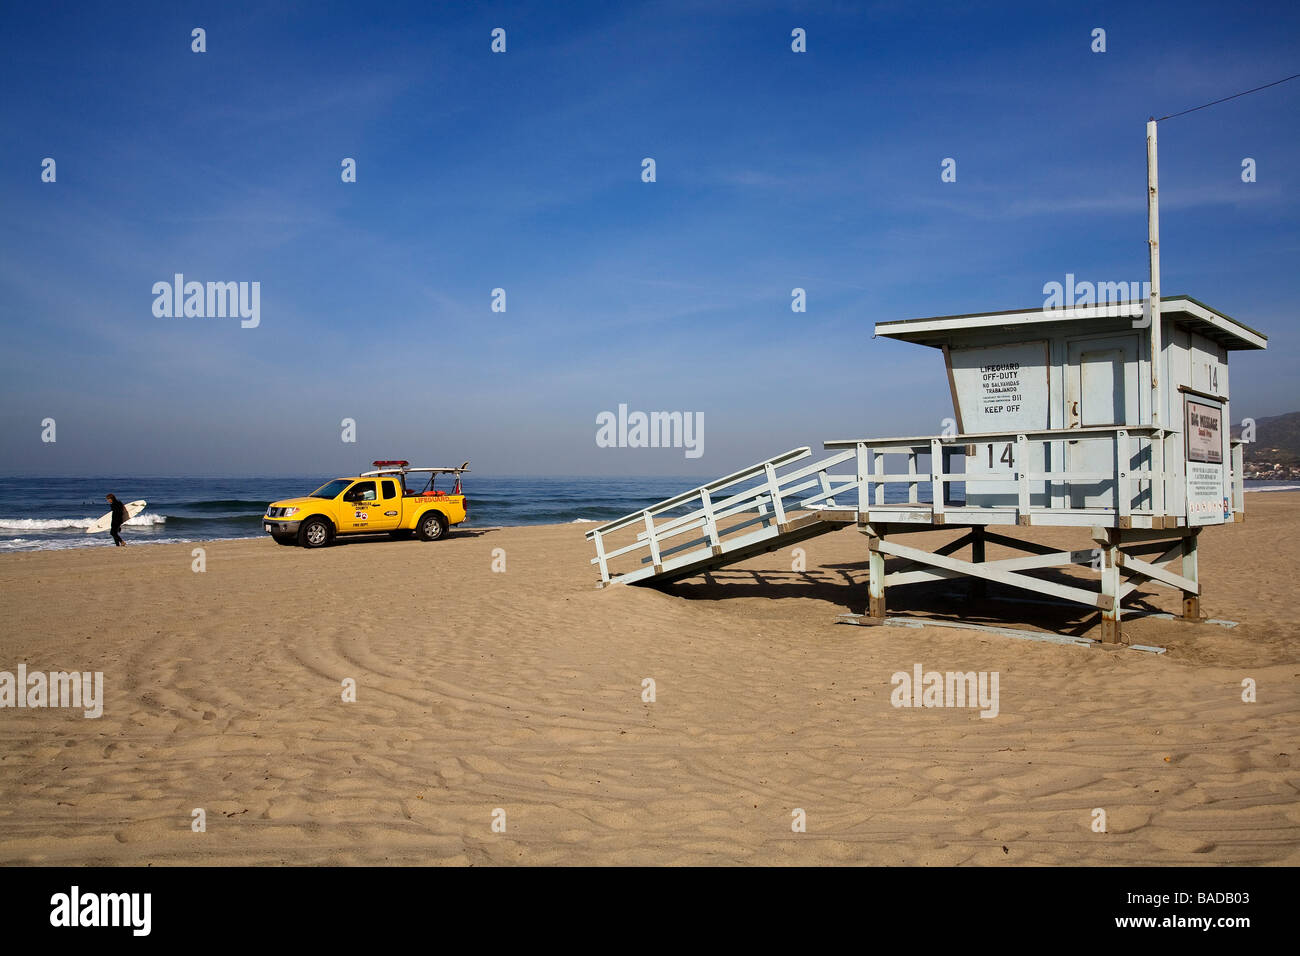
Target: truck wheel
(314, 533)
(432, 526)
(286, 539)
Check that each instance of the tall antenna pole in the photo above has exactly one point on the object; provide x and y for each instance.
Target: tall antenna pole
(1153, 316)
(1153, 246)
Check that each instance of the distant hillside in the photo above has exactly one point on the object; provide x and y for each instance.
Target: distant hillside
(1277, 440)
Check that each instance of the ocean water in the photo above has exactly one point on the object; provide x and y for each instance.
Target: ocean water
(43, 513)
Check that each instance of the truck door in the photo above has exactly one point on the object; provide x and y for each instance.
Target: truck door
(359, 510)
(387, 513)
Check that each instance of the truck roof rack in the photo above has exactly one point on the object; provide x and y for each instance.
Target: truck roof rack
(403, 468)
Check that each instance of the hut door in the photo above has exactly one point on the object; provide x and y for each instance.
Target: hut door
(1101, 389)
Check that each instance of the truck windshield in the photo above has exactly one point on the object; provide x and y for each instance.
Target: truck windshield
(331, 490)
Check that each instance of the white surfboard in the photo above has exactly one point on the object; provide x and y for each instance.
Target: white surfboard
(133, 508)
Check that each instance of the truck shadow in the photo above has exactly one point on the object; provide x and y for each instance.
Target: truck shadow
(354, 539)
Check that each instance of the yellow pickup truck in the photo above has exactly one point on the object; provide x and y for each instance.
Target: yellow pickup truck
(373, 502)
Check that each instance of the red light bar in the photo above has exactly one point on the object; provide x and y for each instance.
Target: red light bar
(380, 464)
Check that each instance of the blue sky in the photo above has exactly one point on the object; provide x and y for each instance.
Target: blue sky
(522, 171)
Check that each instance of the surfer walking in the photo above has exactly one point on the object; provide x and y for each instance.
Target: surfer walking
(119, 518)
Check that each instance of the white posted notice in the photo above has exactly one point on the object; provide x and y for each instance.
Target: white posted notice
(1206, 501)
(1001, 387)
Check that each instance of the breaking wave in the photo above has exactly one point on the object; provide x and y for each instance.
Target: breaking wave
(68, 524)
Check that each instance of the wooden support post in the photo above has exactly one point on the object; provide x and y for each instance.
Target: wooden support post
(778, 506)
(879, 458)
(1238, 473)
(824, 480)
(1158, 477)
(1191, 599)
(876, 580)
(979, 587)
(600, 555)
(936, 480)
(656, 560)
(1111, 587)
(710, 521)
(1123, 494)
(1022, 479)
(864, 484)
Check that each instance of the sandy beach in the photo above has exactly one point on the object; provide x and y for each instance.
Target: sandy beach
(479, 690)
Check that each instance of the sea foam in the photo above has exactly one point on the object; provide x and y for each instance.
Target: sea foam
(56, 524)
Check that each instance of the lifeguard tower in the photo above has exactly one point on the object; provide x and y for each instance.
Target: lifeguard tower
(1061, 419)
(1053, 427)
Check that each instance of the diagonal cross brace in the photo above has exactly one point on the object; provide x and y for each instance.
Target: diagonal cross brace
(990, 572)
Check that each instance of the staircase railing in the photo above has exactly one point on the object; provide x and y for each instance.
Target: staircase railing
(757, 502)
(723, 513)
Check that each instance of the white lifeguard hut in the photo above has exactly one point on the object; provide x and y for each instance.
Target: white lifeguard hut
(1061, 419)
(1055, 427)
(1074, 379)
